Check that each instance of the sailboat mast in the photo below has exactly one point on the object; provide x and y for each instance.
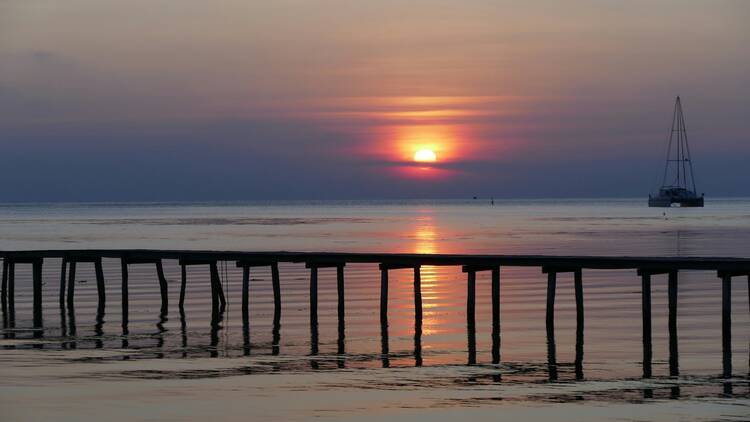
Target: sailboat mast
(681, 154)
(669, 147)
(686, 151)
(681, 138)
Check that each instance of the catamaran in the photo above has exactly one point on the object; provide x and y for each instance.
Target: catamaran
(678, 183)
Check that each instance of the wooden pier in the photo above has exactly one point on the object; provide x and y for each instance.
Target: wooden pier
(727, 270)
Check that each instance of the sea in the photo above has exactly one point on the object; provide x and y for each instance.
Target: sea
(88, 365)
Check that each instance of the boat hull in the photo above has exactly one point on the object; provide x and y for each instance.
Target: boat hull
(667, 202)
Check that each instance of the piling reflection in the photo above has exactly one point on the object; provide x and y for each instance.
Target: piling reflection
(160, 330)
(551, 355)
(276, 334)
(418, 343)
(216, 327)
(727, 390)
(384, 349)
(245, 337)
(72, 330)
(314, 347)
(125, 336)
(579, 354)
(99, 329)
(63, 322)
(183, 333)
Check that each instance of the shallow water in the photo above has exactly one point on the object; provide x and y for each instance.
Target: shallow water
(177, 367)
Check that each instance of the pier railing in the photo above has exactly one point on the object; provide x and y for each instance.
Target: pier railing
(726, 270)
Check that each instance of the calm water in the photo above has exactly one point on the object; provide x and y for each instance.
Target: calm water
(177, 368)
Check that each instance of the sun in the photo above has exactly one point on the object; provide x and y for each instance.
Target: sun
(425, 156)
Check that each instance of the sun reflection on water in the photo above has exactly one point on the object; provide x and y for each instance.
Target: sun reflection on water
(426, 236)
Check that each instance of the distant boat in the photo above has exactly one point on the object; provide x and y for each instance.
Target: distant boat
(678, 184)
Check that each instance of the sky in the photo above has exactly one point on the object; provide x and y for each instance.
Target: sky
(191, 100)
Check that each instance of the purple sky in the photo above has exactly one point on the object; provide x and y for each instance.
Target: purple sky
(190, 100)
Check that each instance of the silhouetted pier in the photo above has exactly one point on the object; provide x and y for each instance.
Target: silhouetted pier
(646, 267)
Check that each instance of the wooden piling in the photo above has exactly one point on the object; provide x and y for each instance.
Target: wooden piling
(417, 316)
(384, 296)
(63, 271)
(646, 315)
(3, 293)
(183, 284)
(162, 287)
(11, 298)
(471, 316)
(313, 313)
(726, 324)
(100, 283)
(72, 327)
(124, 293)
(314, 298)
(71, 283)
(37, 288)
(245, 296)
(246, 265)
(5, 284)
(341, 305)
(418, 296)
(215, 282)
(220, 289)
(578, 286)
(495, 315)
(551, 287)
(672, 299)
(550, 320)
(276, 294)
(12, 287)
